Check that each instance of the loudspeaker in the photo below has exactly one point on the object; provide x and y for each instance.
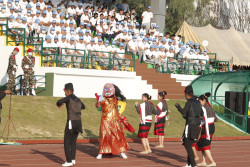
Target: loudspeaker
(240, 103)
(230, 99)
(248, 125)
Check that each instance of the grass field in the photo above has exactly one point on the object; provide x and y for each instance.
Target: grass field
(39, 118)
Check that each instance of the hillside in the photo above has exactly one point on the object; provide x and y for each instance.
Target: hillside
(39, 118)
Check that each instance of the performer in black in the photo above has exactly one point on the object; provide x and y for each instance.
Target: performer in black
(74, 123)
(192, 112)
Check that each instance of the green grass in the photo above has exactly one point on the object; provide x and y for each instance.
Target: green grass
(39, 118)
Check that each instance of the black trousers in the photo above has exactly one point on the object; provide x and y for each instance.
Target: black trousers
(188, 146)
(70, 144)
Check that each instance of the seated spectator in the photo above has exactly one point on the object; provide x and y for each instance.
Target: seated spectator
(132, 46)
(120, 60)
(80, 52)
(91, 55)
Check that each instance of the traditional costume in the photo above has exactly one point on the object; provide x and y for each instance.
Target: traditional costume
(160, 117)
(145, 110)
(112, 138)
(208, 128)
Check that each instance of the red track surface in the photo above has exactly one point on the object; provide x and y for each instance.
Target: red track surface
(226, 154)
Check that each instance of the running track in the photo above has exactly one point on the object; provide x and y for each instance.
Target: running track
(226, 154)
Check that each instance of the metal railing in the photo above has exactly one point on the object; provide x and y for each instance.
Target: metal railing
(19, 83)
(240, 121)
(94, 59)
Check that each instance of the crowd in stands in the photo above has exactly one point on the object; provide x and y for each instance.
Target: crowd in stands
(86, 26)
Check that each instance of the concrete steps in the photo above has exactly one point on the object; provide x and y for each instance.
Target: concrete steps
(160, 81)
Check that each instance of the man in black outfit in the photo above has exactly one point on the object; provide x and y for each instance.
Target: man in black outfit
(74, 123)
(192, 112)
(2, 96)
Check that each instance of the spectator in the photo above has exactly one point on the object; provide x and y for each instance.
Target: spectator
(120, 59)
(147, 17)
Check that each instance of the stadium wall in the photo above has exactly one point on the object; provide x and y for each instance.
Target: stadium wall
(88, 82)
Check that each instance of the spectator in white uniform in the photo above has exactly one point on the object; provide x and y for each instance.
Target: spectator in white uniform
(147, 17)
(121, 60)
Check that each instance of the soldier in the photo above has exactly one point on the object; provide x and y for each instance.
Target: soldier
(12, 67)
(28, 64)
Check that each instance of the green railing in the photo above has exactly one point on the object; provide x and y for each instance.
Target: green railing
(67, 59)
(20, 79)
(4, 26)
(100, 58)
(183, 66)
(93, 59)
(128, 57)
(206, 66)
(49, 54)
(16, 35)
(182, 62)
(240, 121)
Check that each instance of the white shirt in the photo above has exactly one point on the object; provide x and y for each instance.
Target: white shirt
(80, 46)
(120, 56)
(133, 45)
(147, 16)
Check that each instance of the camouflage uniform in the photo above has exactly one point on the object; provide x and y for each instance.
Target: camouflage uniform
(12, 73)
(28, 64)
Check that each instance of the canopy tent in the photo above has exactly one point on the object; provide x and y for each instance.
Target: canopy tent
(230, 45)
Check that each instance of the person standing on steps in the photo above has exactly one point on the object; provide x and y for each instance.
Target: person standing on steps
(74, 123)
(28, 64)
(12, 68)
(193, 113)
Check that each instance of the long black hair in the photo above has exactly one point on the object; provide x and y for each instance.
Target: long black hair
(162, 94)
(205, 96)
(147, 96)
(118, 94)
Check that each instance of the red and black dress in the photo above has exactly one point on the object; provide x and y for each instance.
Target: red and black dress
(207, 128)
(160, 117)
(145, 110)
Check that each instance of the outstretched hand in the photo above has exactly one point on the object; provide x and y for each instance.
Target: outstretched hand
(60, 106)
(177, 104)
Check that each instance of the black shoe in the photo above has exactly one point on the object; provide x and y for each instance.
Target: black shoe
(31, 94)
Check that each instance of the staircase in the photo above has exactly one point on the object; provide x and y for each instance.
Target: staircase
(160, 81)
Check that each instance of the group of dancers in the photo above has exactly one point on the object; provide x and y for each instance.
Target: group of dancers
(197, 112)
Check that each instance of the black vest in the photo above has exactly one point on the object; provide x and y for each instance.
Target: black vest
(193, 115)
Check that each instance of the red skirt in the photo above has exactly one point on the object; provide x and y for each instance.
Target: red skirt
(144, 129)
(159, 127)
(203, 143)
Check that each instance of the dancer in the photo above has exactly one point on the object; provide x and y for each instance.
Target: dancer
(207, 131)
(2, 96)
(74, 123)
(160, 118)
(112, 138)
(146, 109)
(192, 113)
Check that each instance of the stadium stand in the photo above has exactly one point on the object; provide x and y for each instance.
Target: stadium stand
(98, 35)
